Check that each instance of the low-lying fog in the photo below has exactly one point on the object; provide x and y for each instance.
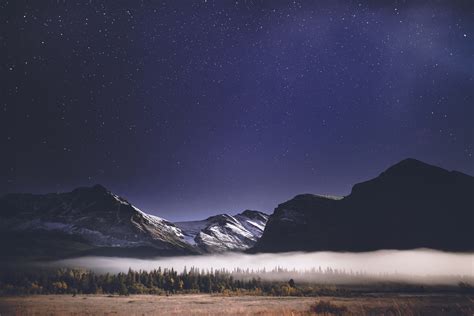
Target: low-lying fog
(411, 265)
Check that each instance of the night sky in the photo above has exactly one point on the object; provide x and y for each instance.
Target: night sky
(190, 109)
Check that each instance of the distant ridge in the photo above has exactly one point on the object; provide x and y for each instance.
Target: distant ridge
(410, 205)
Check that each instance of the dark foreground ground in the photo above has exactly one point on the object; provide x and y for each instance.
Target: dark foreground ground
(202, 304)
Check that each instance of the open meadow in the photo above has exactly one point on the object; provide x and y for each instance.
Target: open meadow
(205, 304)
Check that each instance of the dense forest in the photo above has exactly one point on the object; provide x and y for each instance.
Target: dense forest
(166, 281)
(169, 281)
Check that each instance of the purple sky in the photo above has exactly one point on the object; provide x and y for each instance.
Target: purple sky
(189, 109)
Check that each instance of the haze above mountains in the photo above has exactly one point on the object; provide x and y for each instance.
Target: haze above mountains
(410, 205)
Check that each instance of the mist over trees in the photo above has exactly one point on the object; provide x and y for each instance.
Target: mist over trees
(169, 281)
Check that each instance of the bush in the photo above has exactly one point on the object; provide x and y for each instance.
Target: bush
(326, 308)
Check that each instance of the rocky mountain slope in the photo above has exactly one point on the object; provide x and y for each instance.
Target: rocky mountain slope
(86, 220)
(225, 232)
(410, 205)
(94, 221)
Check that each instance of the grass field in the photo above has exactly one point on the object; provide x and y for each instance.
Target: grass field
(201, 304)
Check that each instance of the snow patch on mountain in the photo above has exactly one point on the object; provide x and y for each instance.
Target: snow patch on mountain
(225, 232)
(95, 215)
(100, 218)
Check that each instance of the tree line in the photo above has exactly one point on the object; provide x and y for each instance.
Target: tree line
(158, 281)
(278, 282)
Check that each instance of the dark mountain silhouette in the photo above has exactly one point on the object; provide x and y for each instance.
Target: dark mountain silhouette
(410, 205)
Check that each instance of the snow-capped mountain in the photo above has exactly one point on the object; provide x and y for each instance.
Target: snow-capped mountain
(225, 232)
(93, 218)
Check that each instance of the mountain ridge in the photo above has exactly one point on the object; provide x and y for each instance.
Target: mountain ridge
(410, 205)
(93, 220)
(225, 232)
(99, 218)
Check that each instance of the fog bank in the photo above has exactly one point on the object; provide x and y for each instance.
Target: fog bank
(418, 265)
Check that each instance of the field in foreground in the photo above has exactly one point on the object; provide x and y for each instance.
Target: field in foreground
(204, 304)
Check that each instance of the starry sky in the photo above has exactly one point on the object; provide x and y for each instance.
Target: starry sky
(193, 108)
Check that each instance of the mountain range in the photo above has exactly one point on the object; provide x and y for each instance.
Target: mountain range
(94, 221)
(410, 205)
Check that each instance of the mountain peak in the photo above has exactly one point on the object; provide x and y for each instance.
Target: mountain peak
(97, 188)
(410, 163)
(219, 218)
(410, 205)
(92, 216)
(252, 213)
(310, 196)
(100, 187)
(413, 167)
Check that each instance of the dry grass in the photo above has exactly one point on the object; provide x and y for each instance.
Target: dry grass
(236, 305)
(326, 307)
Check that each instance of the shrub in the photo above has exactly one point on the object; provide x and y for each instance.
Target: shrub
(327, 308)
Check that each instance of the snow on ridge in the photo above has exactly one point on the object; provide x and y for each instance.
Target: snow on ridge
(224, 232)
(102, 218)
(120, 200)
(161, 223)
(217, 233)
(97, 237)
(254, 227)
(44, 225)
(239, 230)
(260, 226)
